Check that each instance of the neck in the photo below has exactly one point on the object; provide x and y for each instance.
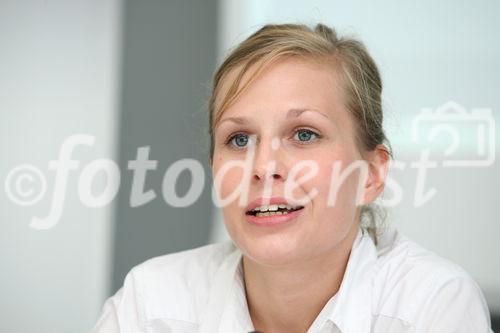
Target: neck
(288, 298)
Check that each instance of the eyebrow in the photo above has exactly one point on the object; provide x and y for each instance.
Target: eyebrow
(236, 120)
(292, 113)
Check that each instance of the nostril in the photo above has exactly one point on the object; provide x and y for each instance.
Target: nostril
(262, 176)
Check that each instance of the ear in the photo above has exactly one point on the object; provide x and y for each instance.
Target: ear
(378, 162)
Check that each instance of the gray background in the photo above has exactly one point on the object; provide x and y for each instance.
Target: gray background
(169, 50)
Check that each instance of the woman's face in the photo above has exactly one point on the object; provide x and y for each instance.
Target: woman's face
(294, 111)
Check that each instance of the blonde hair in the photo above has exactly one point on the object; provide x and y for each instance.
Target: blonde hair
(357, 71)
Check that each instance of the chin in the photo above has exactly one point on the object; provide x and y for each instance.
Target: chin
(270, 250)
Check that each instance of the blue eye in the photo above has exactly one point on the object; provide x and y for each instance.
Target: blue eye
(238, 140)
(304, 135)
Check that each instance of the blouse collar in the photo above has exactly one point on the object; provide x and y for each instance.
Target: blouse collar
(349, 309)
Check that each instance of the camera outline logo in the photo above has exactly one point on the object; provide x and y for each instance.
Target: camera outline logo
(445, 120)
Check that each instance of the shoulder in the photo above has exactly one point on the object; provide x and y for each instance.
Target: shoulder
(401, 259)
(173, 286)
(422, 288)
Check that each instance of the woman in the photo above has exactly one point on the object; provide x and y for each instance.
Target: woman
(302, 108)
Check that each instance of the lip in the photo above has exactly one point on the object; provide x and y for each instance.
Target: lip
(268, 221)
(269, 201)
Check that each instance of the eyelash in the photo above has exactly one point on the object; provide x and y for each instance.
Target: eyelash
(317, 135)
(233, 136)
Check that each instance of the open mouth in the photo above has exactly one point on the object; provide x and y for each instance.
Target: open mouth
(272, 210)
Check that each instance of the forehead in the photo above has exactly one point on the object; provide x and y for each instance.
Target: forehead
(289, 83)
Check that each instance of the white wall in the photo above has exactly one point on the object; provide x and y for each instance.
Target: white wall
(428, 53)
(58, 66)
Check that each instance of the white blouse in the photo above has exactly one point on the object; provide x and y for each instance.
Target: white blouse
(394, 287)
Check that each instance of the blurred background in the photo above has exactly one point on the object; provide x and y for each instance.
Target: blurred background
(137, 74)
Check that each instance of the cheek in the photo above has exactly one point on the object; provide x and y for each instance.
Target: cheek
(333, 218)
(225, 187)
(227, 182)
(335, 195)
(231, 181)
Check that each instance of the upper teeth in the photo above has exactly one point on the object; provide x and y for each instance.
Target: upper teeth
(272, 208)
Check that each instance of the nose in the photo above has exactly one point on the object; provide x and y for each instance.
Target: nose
(269, 162)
